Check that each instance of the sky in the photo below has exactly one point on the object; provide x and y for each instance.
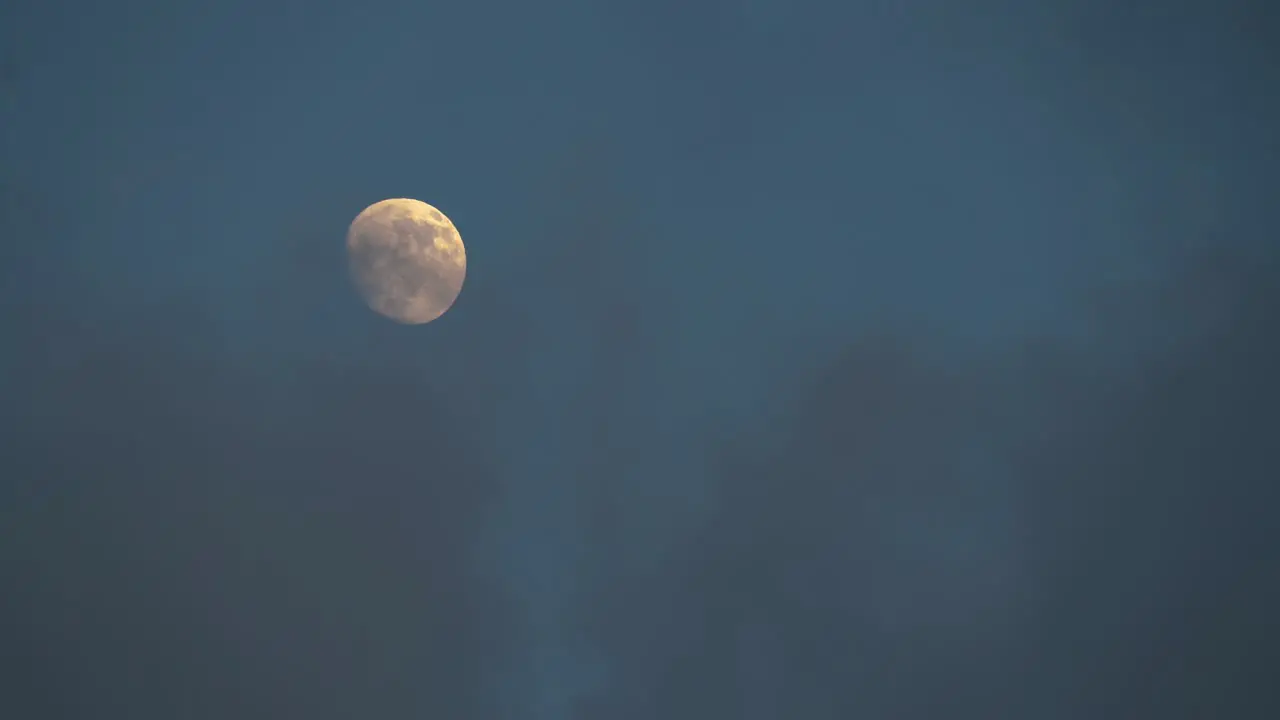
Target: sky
(848, 360)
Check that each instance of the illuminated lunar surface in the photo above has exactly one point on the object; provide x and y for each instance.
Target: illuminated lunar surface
(407, 260)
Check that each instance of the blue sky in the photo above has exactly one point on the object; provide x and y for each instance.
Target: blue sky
(764, 181)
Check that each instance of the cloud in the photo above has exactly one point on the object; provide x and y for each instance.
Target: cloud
(191, 535)
(1089, 537)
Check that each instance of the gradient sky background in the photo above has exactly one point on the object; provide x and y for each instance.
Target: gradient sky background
(816, 360)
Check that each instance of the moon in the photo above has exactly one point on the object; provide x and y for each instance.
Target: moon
(407, 260)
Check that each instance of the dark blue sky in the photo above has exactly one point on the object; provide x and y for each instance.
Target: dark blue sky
(903, 154)
(678, 216)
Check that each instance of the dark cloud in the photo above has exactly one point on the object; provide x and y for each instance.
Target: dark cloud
(190, 535)
(1024, 538)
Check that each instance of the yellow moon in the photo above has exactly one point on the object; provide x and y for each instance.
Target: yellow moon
(407, 260)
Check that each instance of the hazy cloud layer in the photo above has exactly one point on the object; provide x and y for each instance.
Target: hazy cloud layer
(833, 362)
